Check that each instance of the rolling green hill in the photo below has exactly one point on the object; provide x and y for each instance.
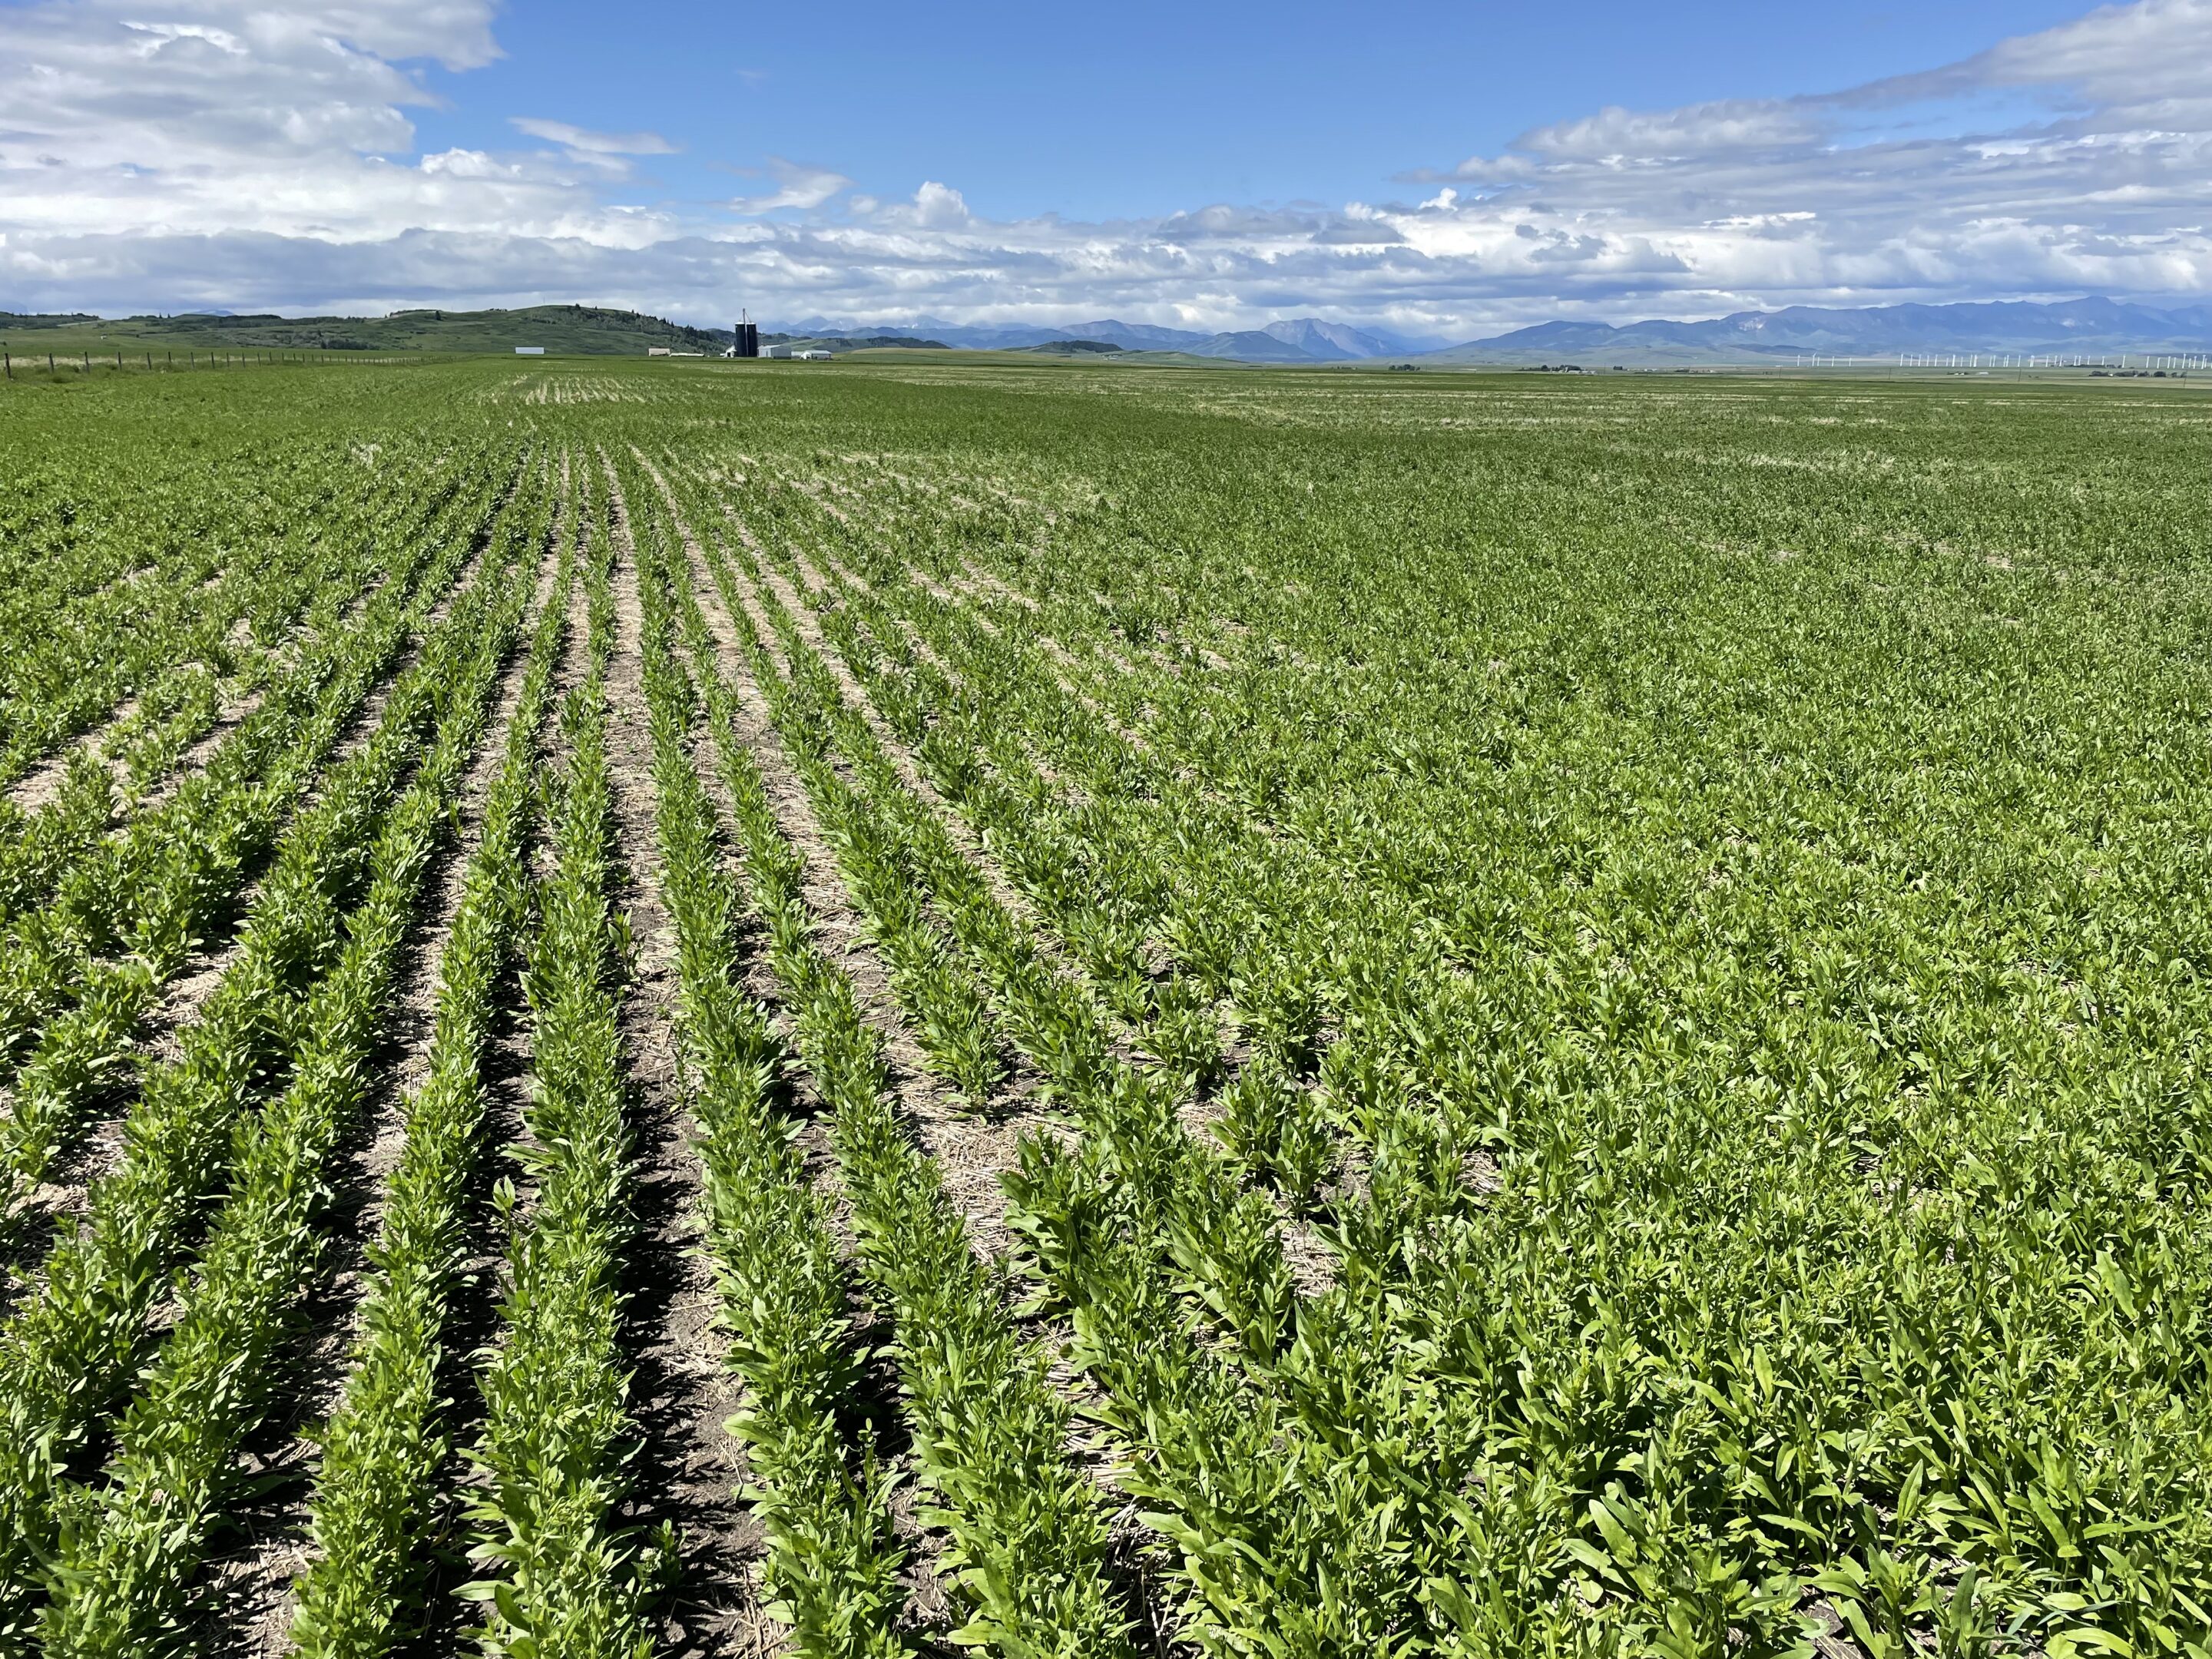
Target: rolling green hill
(589, 330)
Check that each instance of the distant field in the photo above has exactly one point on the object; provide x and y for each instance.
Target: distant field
(1010, 1004)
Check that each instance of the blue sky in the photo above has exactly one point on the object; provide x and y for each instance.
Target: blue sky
(1118, 111)
(1440, 171)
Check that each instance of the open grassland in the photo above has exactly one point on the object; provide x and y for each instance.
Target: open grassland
(698, 1009)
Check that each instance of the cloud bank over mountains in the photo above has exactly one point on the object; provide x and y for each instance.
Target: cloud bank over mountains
(233, 153)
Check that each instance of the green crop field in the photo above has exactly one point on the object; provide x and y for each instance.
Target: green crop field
(902, 1007)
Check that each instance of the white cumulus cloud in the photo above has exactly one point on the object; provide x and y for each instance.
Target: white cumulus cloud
(940, 206)
(261, 153)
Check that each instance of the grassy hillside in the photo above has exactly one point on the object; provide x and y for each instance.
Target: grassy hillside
(588, 330)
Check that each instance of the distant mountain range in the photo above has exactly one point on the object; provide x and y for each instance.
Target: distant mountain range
(1874, 333)
(1300, 340)
(2070, 325)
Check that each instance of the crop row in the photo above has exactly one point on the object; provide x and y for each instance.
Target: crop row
(988, 1430)
(153, 891)
(131, 1542)
(105, 782)
(564, 1576)
(128, 591)
(83, 1332)
(815, 1481)
(377, 1498)
(1141, 1232)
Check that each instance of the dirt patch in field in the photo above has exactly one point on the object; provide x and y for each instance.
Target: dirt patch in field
(945, 596)
(998, 589)
(908, 633)
(1313, 1267)
(1066, 668)
(1126, 1042)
